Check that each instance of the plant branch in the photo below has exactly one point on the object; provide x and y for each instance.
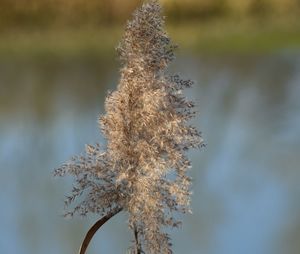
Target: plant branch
(95, 228)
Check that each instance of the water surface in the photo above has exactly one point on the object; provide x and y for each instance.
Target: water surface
(246, 181)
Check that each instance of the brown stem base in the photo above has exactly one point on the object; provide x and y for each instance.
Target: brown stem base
(95, 228)
(137, 243)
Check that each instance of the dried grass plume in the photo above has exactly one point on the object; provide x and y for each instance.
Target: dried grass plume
(143, 168)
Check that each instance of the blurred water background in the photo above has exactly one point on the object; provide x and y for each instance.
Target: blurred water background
(57, 61)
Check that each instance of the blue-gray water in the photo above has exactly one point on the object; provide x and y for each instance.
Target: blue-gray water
(246, 181)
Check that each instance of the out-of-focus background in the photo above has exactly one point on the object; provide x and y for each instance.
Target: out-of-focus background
(57, 61)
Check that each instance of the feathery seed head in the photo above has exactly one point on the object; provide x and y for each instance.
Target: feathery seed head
(148, 134)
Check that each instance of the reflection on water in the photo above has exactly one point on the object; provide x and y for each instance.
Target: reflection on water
(245, 182)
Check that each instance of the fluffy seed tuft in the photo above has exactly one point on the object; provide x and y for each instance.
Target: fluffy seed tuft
(143, 169)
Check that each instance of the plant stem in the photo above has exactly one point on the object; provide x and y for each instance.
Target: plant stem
(95, 228)
(137, 244)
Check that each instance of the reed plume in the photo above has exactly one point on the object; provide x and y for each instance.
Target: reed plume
(143, 168)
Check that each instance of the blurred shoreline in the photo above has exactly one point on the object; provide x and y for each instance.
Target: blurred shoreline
(68, 29)
(218, 37)
(73, 13)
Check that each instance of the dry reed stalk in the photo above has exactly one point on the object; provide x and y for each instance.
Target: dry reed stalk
(143, 168)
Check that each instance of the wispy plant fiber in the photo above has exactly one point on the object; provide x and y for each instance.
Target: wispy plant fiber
(143, 168)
